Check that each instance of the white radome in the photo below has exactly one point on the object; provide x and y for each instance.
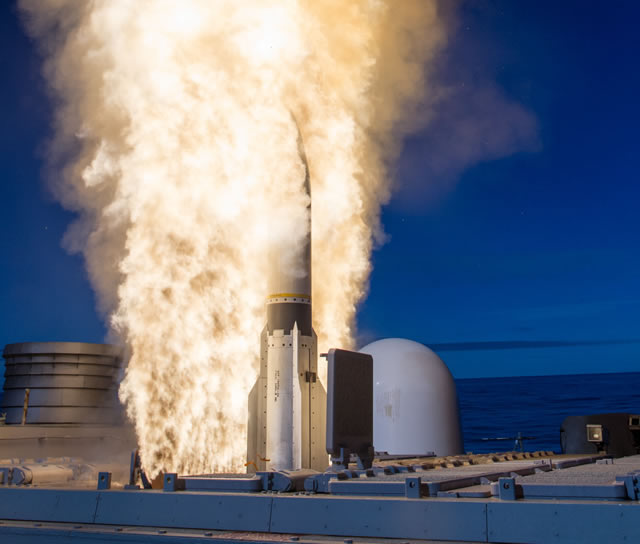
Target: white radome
(415, 403)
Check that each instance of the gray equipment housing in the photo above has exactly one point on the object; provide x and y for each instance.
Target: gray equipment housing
(61, 383)
(350, 407)
(618, 436)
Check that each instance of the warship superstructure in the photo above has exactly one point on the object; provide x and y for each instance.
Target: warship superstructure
(516, 497)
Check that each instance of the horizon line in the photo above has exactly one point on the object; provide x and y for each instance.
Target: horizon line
(523, 344)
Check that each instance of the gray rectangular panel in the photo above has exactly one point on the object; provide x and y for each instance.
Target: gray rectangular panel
(349, 401)
(548, 522)
(382, 518)
(48, 504)
(186, 509)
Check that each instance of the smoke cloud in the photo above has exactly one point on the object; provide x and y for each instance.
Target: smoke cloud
(175, 142)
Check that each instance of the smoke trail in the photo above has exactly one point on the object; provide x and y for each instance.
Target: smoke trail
(175, 142)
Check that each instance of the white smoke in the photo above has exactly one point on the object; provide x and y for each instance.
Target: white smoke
(175, 142)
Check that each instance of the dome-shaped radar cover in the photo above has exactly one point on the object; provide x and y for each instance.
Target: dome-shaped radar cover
(415, 403)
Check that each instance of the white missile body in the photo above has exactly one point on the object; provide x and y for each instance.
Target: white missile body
(287, 404)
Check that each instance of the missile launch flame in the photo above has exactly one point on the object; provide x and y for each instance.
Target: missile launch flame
(174, 141)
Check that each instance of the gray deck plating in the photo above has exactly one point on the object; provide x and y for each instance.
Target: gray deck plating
(188, 516)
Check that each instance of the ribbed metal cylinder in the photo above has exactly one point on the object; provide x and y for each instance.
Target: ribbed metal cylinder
(61, 382)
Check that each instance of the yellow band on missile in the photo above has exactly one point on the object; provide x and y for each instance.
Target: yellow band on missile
(289, 295)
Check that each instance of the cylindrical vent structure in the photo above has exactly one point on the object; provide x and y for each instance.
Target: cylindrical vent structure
(61, 382)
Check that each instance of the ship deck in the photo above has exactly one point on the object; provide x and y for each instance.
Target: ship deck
(514, 497)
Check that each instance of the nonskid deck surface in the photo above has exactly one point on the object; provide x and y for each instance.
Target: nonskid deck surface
(535, 497)
(54, 533)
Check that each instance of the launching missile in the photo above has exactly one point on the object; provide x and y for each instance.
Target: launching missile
(286, 428)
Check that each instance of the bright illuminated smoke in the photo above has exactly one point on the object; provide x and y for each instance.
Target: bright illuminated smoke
(175, 140)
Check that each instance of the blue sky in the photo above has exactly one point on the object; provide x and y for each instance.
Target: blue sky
(527, 233)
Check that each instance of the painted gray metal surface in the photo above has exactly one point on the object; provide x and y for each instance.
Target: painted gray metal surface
(349, 406)
(32, 535)
(364, 517)
(48, 505)
(380, 517)
(552, 522)
(269, 516)
(64, 414)
(62, 348)
(89, 441)
(80, 381)
(25, 532)
(61, 382)
(232, 512)
(54, 395)
(611, 491)
(67, 368)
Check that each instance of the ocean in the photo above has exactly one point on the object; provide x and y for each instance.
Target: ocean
(536, 406)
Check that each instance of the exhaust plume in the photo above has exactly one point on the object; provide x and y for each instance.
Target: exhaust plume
(175, 141)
